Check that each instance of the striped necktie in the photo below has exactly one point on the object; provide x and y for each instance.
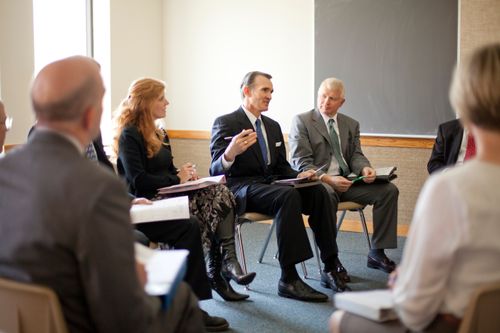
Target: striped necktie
(344, 169)
(91, 153)
(262, 141)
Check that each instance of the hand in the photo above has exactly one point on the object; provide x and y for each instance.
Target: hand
(187, 172)
(369, 174)
(239, 144)
(310, 174)
(141, 201)
(391, 281)
(141, 273)
(338, 183)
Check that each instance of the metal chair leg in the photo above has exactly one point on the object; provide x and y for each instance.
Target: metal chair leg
(266, 242)
(365, 228)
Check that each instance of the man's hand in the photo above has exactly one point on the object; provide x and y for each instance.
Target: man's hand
(141, 201)
(369, 174)
(310, 174)
(338, 183)
(141, 273)
(239, 144)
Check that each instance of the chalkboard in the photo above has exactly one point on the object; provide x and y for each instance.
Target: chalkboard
(395, 57)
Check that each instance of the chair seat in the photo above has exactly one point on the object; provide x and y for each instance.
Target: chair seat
(253, 217)
(350, 205)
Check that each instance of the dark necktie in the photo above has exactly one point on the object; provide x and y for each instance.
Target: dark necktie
(344, 169)
(262, 141)
(470, 150)
(90, 153)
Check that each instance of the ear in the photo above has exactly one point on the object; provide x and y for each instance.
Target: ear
(342, 103)
(246, 90)
(90, 120)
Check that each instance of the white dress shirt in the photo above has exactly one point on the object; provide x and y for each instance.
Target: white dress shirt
(453, 246)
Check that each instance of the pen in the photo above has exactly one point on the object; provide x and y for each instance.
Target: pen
(321, 167)
(227, 138)
(358, 178)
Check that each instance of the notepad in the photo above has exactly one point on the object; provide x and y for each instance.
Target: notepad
(161, 210)
(385, 174)
(192, 185)
(373, 304)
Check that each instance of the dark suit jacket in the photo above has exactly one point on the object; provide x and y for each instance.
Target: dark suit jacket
(248, 167)
(447, 145)
(144, 175)
(65, 224)
(311, 145)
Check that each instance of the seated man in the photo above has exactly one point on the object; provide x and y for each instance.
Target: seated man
(323, 136)
(249, 149)
(75, 236)
(453, 145)
(452, 248)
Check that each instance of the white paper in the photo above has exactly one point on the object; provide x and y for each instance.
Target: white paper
(161, 210)
(373, 304)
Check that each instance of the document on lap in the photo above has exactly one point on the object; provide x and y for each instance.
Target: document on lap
(297, 182)
(383, 174)
(373, 304)
(192, 185)
(164, 269)
(161, 210)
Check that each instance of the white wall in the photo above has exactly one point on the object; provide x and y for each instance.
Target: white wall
(16, 65)
(211, 45)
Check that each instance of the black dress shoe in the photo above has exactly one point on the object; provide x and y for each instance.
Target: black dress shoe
(213, 323)
(341, 271)
(299, 290)
(333, 281)
(384, 264)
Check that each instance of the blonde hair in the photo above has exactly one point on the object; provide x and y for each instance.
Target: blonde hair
(136, 110)
(474, 91)
(332, 84)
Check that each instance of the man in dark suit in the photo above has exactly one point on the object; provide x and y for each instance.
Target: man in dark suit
(65, 222)
(450, 147)
(249, 149)
(324, 137)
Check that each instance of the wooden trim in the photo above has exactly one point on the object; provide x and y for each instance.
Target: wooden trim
(367, 141)
(6, 148)
(355, 226)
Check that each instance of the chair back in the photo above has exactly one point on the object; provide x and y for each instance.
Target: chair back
(482, 314)
(28, 308)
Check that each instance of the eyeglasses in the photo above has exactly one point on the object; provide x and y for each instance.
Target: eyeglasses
(8, 123)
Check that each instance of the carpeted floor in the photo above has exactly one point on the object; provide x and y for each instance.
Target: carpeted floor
(265, 311)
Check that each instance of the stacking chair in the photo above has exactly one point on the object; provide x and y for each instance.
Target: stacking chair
(481, 315)
(29, 308)
(257, 217)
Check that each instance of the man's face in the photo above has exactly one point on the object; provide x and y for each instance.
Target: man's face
(259, 94)
(329, 101)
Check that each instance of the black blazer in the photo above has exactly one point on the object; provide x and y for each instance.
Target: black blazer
(248, 168)
(144, 175)
(447, 145)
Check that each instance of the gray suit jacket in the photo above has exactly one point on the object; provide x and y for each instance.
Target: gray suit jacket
(311, 146)
(64, 223)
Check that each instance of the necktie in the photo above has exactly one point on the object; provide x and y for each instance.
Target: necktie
(90, 153)
(470, 150)
(262, 141)
(344, 169)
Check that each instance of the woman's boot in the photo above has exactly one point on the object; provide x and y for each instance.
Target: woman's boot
(231, 268)
(217, 282)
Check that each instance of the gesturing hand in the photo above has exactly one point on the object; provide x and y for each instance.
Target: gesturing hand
(239, 144)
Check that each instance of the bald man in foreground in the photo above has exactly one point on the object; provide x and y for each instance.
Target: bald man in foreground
(75, 236)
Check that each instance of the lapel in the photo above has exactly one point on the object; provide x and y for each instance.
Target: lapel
(244, 123)
(319, 124)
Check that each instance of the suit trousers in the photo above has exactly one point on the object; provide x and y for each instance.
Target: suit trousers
(384, 198)
(287, 204)
(183, 234)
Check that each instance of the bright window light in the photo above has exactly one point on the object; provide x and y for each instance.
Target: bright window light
(60, 30)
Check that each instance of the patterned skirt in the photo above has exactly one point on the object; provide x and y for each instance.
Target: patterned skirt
(211, 205)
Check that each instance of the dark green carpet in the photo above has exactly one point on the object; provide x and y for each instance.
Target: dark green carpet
(265, 311)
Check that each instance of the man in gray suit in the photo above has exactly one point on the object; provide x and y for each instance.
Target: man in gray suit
(71, 235)
(315, 140)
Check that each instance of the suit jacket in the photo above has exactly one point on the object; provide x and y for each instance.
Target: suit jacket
(65, 224)
(311, 146)
(248, 167)
(144, 175)
(447, 145)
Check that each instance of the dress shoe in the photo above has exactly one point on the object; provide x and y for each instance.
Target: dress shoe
(341, 271)
(333, 281)
(299, 290)
(213, 323)
(384, 264)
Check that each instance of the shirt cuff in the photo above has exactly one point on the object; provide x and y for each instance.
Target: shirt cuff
(225, 164)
